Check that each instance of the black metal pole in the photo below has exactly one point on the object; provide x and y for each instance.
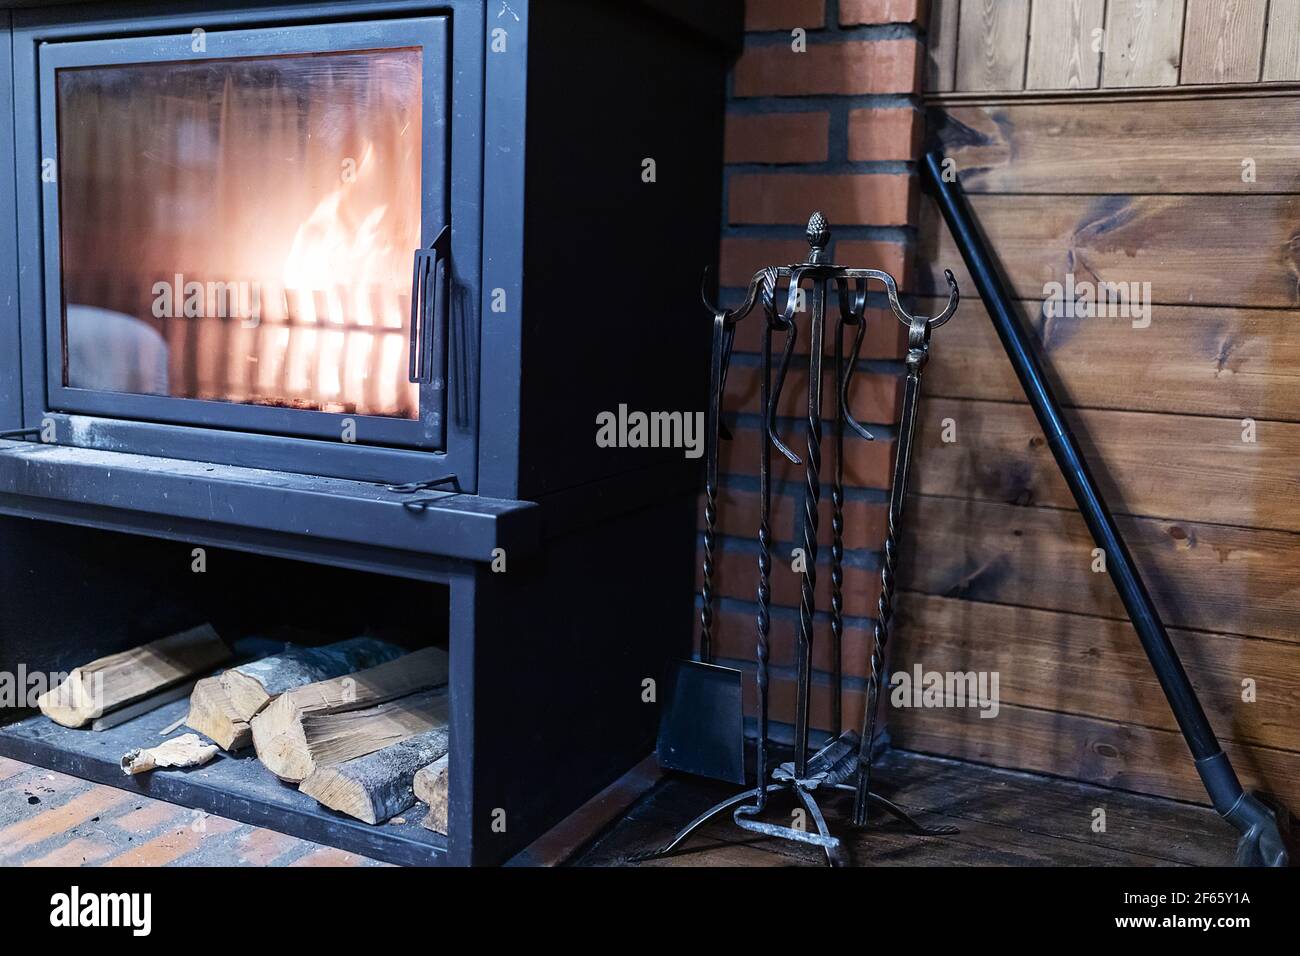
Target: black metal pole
(1245, 811)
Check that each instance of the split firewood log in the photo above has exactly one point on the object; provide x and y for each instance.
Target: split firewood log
(212, 715)
(379, 785)
(292, 736)
(430, 786)
(144, 705)
(252, 686)
(104, 685)
(334, 738)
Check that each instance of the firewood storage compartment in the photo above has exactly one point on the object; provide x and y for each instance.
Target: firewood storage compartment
(328, 298)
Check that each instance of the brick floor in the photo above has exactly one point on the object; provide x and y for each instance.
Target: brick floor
(51, 819)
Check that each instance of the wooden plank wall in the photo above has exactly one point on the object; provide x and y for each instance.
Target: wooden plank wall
(1004, 45)
(1189, 412)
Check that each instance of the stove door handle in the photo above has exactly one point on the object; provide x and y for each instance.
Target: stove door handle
(428, 305)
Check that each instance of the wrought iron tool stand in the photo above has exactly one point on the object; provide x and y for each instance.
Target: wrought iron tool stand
(847, 756)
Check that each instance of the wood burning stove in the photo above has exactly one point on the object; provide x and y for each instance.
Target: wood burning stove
(349, 284)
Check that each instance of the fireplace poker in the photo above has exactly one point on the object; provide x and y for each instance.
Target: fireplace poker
(918, 353)
(1261, 841)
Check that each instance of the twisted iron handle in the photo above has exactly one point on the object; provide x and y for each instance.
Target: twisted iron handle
(723, 336)
(917, 356)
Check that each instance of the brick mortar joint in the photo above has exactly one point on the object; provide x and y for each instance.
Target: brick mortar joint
(773, 104)
(843, 33)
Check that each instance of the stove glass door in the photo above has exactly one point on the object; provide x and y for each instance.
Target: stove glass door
(236, 228)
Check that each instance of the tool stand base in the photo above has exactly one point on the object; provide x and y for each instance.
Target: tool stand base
(836, 853)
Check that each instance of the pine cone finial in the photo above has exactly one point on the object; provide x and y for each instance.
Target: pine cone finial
(819, 235)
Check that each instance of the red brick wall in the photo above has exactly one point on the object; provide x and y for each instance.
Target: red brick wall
(836, 127)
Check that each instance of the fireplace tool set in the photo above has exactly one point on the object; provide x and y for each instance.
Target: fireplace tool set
(844, 762)
(689, 740)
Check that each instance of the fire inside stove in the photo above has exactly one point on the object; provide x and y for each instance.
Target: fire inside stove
(242, 230)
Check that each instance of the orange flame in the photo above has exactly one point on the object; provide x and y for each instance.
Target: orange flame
(348, 270)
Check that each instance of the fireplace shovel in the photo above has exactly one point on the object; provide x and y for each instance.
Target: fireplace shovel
(702, 730)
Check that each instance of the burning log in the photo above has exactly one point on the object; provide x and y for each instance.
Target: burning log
(379, 785)
(292, 736)
(430, 786)
(101, 686)
(251, 687)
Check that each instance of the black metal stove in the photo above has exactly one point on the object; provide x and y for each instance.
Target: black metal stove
(348, 284)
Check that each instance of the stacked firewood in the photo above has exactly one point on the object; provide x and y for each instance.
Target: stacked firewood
(359, 725)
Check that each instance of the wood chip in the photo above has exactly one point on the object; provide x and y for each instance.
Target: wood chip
(185, 751)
